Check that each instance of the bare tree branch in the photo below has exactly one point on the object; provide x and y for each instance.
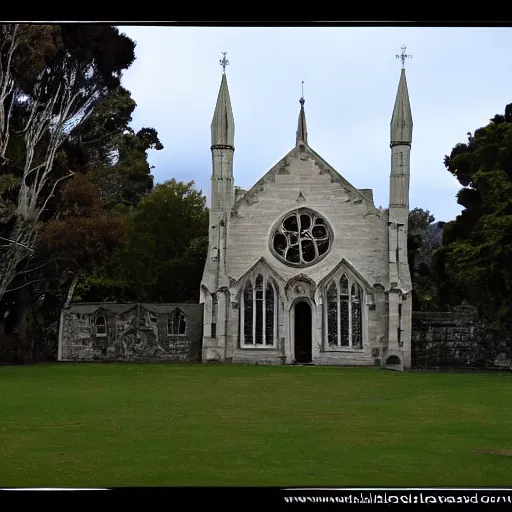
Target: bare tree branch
(23, 285)
(14, 242)
(53, 260)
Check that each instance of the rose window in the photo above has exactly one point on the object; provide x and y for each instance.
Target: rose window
(301, 238)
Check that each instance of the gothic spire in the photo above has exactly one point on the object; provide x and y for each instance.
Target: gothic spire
(401, 121)
(302, 131)
(223, 123)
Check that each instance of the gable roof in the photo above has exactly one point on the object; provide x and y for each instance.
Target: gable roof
(351, 269)
(88, 308)
(268, 268)
(281, 167)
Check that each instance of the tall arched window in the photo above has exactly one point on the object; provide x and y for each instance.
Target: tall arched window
(344, 314)
(355, 302)
(332, 315)
(269, 314)
(101, 326)
(259, 313)
(259, 310)
(248, 323)
(176, 323)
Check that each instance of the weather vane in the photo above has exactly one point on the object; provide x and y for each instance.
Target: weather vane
(403, 56)
(224, 62)
(302, 97)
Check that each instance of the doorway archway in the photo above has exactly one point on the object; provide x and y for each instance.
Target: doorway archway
(303, 332)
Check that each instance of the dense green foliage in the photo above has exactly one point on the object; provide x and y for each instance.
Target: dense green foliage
(169, 425)
(475, 260)
(164, 257)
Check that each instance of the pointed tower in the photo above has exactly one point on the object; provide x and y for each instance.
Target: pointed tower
(223, 147)
(302, 130)
(400, 284)
(215, 281)
(301, 142)
(401, 139)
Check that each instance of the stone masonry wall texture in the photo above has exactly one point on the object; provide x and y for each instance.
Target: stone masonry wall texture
(132, 332)
(456, 339)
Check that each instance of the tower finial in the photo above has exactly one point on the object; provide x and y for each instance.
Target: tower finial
(403, 56)
(302, 132)
(224, 62)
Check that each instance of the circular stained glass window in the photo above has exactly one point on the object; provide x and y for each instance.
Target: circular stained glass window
(301, 238)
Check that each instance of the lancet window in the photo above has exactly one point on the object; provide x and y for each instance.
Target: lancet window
(176, 323)
(344, 314)
(259, 312)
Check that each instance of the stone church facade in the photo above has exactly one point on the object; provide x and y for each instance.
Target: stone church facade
(303, 268)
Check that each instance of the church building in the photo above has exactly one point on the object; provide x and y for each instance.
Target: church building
(303, 268)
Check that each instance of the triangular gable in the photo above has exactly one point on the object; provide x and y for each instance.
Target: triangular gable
(261, 262)
(178, 309)
(102, 311)
(127, 309)
(152, 308)
(344, 263)
(336, 176)
(281, 168)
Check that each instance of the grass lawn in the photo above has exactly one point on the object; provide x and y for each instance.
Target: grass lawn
(86, 425)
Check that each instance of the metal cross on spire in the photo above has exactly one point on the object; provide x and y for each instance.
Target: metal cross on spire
(302, 96)
(403, 56)
(224, 62)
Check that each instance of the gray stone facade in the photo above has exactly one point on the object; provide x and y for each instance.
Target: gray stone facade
(303, 267)
(131, 332)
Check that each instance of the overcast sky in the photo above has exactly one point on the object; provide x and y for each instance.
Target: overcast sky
(458, 78)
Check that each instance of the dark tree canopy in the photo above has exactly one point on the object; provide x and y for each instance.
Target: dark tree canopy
(163, 259)
(63, 82)
(474, 262)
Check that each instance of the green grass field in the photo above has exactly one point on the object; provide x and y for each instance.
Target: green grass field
(108, 425)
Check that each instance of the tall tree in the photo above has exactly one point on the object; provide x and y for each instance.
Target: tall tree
(474, 262)
(82, 237)
(51, 78)
(65, 245)
(164, 257)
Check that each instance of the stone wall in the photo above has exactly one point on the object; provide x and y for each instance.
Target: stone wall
(131, 332)
(456, 339)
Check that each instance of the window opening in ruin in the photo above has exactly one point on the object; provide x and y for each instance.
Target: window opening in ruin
(176, 323)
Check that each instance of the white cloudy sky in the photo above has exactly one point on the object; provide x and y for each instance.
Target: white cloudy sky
(458, 79)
